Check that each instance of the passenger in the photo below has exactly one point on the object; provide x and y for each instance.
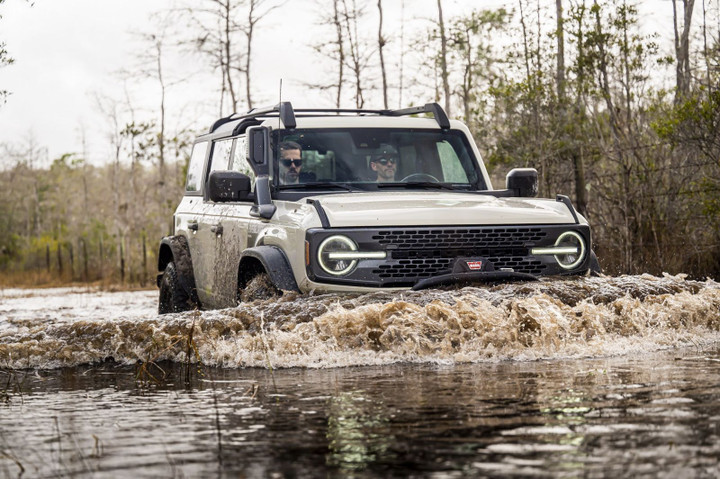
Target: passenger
(290, 162)
(384, 163)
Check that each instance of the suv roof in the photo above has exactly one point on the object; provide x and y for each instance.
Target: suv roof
(235, 123)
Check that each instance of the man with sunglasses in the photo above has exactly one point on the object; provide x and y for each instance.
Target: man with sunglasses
(290, 162)
(384, 163)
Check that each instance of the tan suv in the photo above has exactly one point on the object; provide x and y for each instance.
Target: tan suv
(355, 200)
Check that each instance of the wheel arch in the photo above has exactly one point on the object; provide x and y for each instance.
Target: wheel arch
(273, 261)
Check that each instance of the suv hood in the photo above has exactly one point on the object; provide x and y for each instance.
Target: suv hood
(439, 208)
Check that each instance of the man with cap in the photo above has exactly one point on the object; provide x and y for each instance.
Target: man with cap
(384, 163)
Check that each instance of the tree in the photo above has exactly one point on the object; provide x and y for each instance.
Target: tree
(5, 60)
(444, 75)
(381, 45)
(682, 48)
(333, 49)
(358, 57)
(473, 59)
(256, 11)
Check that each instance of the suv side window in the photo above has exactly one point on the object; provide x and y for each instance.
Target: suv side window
(195, 168)
(452, 169)
(220, 155)
(239, 159)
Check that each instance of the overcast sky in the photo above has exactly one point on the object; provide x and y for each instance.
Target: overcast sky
(69, 52)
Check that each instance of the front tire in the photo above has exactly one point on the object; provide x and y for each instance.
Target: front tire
(173, 298)
(259, 287)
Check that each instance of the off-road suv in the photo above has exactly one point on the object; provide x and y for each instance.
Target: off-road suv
(355, 200)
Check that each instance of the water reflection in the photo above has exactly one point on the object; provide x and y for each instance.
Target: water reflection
(358, 431)
(643, 415)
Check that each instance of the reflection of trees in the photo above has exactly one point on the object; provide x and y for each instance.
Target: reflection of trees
(358, 431)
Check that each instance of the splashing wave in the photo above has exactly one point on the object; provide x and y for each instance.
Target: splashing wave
(558, 318)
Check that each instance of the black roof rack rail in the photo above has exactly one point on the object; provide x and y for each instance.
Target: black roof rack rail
(283, 109)
(433, 108)
(287, 114)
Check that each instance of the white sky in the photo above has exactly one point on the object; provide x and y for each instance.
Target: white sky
(67, 53)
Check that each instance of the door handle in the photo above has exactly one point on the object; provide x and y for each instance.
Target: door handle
(217, 229)
(193, 225)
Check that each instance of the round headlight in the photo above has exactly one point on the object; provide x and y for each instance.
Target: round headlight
(574, 242)
(336, 244)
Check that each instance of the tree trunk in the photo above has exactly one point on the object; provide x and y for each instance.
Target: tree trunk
(402, 54)
(706, 52)
(682, 49)
(102, 259)
(227, 63)
(59, 259)
(72, 260)
(354, 44)
(122, 261)
(468, 78)
(341, 52)
(580, 185)
(526, 46)
(560, 73)
(144, 259)
(381, 44)
(86, 276)
(248, 52)
(443, 59)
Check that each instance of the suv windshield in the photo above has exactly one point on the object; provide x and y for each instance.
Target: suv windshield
(374, 157)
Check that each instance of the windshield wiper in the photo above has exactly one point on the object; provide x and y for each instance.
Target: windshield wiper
(423, 184)
(318, 186)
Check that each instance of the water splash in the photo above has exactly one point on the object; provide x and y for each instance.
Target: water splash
(555, 318)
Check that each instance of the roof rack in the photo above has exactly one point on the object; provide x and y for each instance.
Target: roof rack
(287, 114)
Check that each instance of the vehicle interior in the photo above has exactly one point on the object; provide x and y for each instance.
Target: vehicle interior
(345, 156)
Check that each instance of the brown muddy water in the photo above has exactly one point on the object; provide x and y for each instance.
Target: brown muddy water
(585, 377)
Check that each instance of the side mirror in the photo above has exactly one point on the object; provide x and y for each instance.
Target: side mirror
(523, 182)
(228, 186)
(258, 151)
(259, 155)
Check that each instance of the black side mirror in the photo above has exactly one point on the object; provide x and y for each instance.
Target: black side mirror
(523, 182)
(259, 154)
(259, 148)
(228, 186)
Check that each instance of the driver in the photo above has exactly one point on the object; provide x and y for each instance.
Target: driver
(384, 163)
(290, 162)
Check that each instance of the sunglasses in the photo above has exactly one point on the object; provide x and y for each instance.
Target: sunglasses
(385, 161)
(287, 163)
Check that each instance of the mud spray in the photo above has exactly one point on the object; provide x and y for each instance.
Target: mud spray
(558, 318)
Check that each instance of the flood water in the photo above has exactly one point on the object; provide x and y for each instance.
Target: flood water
(585, 377)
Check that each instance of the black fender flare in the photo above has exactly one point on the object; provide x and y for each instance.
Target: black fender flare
(176, 249)
(275, 262)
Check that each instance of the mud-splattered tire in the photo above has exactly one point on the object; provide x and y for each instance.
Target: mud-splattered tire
(173, 298)
(259, 287)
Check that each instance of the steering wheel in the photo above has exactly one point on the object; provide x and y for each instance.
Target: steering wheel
(420, 177)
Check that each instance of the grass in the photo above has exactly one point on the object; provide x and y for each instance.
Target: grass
(43, 279)
(144, 372)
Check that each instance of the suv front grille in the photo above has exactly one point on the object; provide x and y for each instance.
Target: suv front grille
(422, 253)
(459, 238)
(414, 268)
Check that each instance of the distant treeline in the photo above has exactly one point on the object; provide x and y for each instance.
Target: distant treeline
(625, 122)
(75, 222)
